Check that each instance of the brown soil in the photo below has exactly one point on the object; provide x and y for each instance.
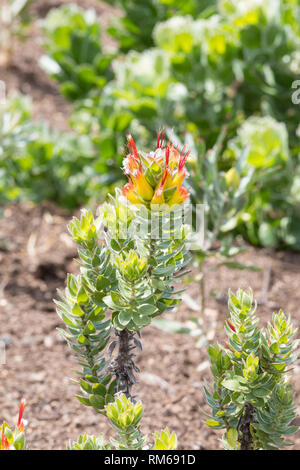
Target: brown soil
(36, 252)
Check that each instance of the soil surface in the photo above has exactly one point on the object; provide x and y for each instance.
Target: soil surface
(35, 255)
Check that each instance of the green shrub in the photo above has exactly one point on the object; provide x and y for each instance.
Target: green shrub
(76, 58)
(251, 398)
(216, 64)
(39, 163)
(133, 30)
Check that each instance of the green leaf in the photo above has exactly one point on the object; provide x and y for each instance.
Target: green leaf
(9, 435)
(99, 389)
(102, 283)
(97, 401)
(83, 400)
(260, 392)
(82, 296)
(82, 340)
(141, 320)
(212, 423)
(232, 437)
(106, 380)
(19, 441)
(115, 245)
(278, 366)
(72, 286)
(146, 309)
(163, 270)
(85, 385)
(267, 235)
(89, 328)
(91, 378)
(232, 384)
(76, 310)
(275, 348)
(109, 302)
(124, 317)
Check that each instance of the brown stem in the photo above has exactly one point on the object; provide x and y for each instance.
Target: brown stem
(124, 366)
(246, 439)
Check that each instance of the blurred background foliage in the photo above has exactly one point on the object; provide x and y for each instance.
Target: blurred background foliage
(193, 66)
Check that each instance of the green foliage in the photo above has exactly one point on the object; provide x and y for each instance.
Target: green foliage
(133, 30)
(87, 442)
(270, 207)
(123, 283)
(130, 266)
(125, 417)
(39, 163)
(56, 167)
(196, 66)
(164, 440)
(234, 65)
(254, 197)
(223, 195)
(14, 129)
(251, 397)
(75, 58)
(146, 265)
(131, 275)
(82, 309)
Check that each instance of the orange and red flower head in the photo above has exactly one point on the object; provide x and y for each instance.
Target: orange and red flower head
(155, 177)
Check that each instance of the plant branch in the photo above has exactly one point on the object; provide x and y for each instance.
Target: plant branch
(123, 366)
(247, 418)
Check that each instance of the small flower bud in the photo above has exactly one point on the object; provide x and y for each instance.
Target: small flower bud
(131, 266)
(123, 413)
(164, 440)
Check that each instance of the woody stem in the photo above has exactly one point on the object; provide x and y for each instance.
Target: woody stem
(244, 426)
(124, 366)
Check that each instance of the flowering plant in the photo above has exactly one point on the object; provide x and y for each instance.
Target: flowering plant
(125, 417)
(14, 440)
(251, 398)
(124, 283)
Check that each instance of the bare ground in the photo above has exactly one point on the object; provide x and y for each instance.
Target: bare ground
(36, 253)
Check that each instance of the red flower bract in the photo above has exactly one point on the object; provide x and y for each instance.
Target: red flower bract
(231, 325)
(20, 424)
